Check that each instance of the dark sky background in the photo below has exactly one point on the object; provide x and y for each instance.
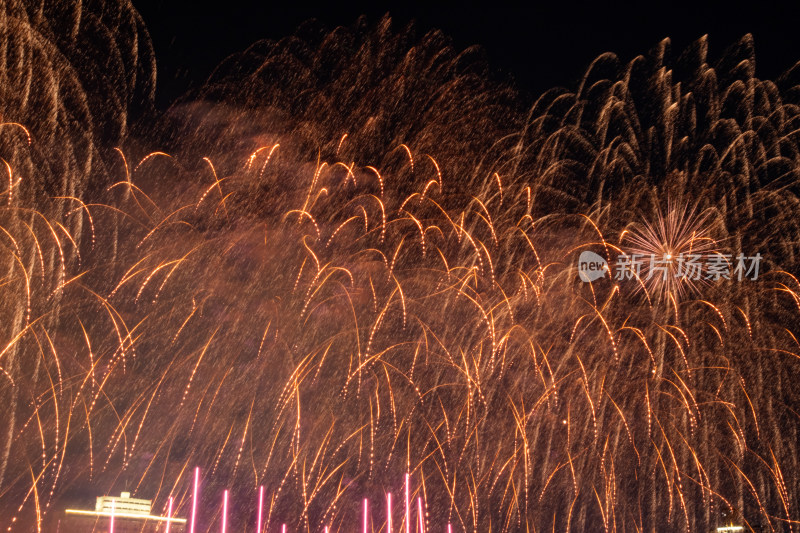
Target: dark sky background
(537, 44)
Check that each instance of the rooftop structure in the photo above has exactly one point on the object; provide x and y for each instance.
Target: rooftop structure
(120, 514)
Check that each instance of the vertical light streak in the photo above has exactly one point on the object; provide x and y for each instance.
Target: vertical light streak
(366, 506)
(408, 507)
(194, 497)
(113, 509)
(169, 514)
(224, 510)
(421, 527)
(260, 508)
(388, 512)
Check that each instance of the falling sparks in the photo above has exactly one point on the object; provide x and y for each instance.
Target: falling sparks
(390, 301)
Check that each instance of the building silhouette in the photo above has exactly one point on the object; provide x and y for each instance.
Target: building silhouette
(120, 514)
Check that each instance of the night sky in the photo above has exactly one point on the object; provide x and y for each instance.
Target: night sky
(538, 45)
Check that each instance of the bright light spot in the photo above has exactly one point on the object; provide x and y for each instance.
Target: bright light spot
(126, 515)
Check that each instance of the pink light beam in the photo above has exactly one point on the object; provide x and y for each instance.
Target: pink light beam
(408, 507)
(113, 509)
(388, 512)
(224, 510)
(194, 497)
(169, 514)
(421, 517)
(260, 507)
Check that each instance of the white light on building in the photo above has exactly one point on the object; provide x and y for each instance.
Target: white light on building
(126, 508)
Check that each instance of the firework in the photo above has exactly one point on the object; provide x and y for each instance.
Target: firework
(318, 290)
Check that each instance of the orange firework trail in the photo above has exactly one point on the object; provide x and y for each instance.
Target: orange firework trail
(321, 285)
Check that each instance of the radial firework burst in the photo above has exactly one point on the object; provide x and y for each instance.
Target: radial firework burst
(672, 252)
